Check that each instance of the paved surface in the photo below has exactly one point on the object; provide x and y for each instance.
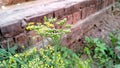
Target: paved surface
(19, 11)
(24, 10)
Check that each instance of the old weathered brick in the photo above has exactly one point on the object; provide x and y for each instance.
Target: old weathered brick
(21, 39)
(88, 9)
(102, 3)
(111, 1)
(49, 15)
(83, 4)
(92, 9)
(69, 9)
(59, 13)
(76, 7)
(76, 17)
(98, 5)
(80, 10)
(92, 2)
(12, 29)
(106, 2)
(35, 18)
(84, 12)
(114, 1)
(33, 37)
(70, 19)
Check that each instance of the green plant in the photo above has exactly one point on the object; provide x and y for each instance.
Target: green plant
(49, 30)
(101, 53)
(95, 49)
(5, 53)
(51, 56)
(44, 58)
(115, 47)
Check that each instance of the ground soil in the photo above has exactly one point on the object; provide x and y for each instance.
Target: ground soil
(109, 22)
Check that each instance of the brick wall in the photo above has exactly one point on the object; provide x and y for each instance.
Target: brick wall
(74, 11)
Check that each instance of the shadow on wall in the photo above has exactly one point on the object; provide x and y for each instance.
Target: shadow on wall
(10, 2)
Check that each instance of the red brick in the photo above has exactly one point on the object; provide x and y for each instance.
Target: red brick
(83, 4)
(76, 17)
(21, 39)
(84, 12)
(102, 3)
(69, 9)
(49, 15)
(57, 26)
(70, 19)
(88, 3)
(111, 1)
(106, 3)
(30, 19)
(9, 42)
(39, 19)
(12, 29)
(92, 2)
(35, 18)
(59, 13)
(88, 11)
(92, 9)
(63, 17)
(114, 1)
(97, 5)
(33, 37)
(76, 7)
(80, 13)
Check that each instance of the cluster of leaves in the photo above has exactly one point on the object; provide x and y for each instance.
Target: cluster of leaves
(101, 54)
(54, 56)
(7, 50)
(33, 59)
(49, 29)
(44, 58)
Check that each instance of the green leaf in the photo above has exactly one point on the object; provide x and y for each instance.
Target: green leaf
(117, 47)
(87, 39)
(45, 18)
(3, 52)
(118, 43)
(87, 50)
(117, 66)
(96, 40)
(12, 49)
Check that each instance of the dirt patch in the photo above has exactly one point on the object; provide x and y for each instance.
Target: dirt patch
(107, 23)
